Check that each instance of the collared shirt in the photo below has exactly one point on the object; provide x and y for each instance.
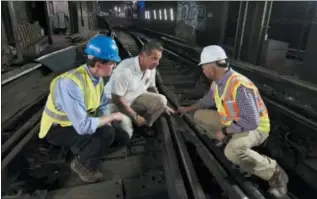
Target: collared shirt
(128, 81)
(68, 98)
(248, 111)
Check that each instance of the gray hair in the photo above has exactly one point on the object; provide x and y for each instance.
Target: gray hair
(223, 63)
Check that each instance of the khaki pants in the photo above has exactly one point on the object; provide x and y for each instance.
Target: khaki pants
(238, 149)
(148, 105)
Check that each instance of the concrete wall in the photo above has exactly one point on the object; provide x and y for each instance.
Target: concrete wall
(189, 20)
(86, 16)
(308, 70)
(159, 26)
(291, 16)
(61, 6)
(5, 54)
(201, 22)
(4, 40)
(20, 8)
(21, 14)
(213, 22)
(164, 26)
(196, 22)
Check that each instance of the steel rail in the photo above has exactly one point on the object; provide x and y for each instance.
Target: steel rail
(175, 183)
(215, 168)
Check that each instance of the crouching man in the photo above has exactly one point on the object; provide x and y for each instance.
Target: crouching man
(76, 115)
(133, 90)
(241, 114)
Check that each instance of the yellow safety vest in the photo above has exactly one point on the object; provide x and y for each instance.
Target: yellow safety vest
(227, 106)
(91, 94)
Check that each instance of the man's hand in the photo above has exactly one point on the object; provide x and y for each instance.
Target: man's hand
(184, 109)
(220, 136)
(107, 119)
(116, 116)
(139, 120)
(169, 110)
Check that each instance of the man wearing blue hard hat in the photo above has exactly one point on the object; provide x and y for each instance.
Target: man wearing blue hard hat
(76, 115)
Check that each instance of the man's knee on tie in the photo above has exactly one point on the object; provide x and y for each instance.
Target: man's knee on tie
(235, 151)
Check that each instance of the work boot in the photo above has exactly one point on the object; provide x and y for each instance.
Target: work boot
(86, 175)
(278, 182)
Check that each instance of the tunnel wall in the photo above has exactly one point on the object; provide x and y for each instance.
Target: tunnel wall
(159, 26)
(20, 8)
(164, 26)
(202, 23)
(5, 53)
(196, 22)
(308, 70)
(86, 16)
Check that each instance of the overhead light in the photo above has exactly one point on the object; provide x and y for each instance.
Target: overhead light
(172, 14)
(154, 13)
(165, 14)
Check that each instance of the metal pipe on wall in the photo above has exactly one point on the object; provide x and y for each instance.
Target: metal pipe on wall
(266, 26)
(237, 30)
(243, 27)
(224, 18)
(309, 6)
(48, 21)
(15, 31)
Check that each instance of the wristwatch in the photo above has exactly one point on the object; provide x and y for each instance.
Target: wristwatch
(224, 131)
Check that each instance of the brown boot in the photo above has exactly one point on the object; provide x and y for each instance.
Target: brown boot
(86, 175)
(278, 183)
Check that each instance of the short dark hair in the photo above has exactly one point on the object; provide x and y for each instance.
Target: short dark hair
(92, 62)
(151, 45)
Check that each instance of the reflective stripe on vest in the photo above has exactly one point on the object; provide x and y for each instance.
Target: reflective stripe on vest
(63, 117)
(230, 111)
(92, 95)
(227, 106)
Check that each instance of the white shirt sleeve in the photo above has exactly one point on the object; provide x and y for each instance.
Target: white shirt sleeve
(120, 82)
(152, 83)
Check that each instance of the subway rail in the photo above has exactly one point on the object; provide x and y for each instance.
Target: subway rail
(293, 139)
(183, 72)
(176, 162)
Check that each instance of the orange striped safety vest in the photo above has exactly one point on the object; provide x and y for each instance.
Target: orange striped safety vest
(227, 106)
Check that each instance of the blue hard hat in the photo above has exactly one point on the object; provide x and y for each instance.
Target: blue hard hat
(104, 48)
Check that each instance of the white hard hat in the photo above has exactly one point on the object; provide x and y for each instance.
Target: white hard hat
(211, 54)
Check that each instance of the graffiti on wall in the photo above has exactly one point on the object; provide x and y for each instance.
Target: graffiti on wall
(192, 14)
